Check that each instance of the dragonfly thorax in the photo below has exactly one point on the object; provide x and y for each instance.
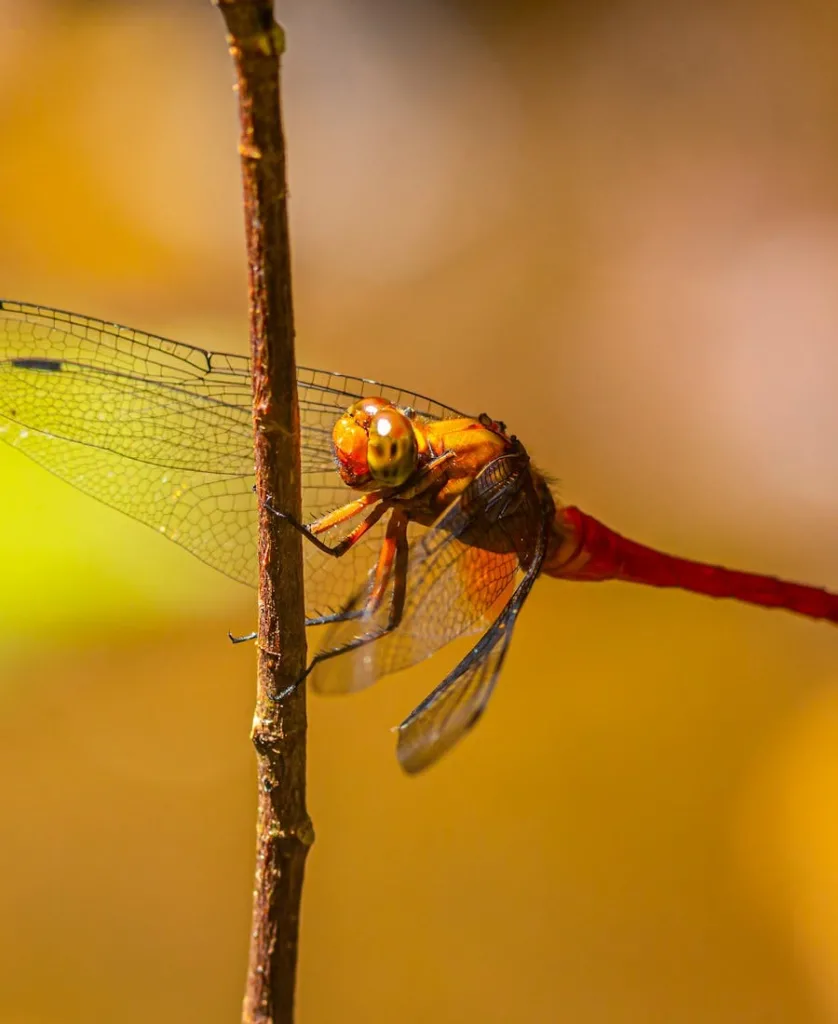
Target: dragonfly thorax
(376, 445)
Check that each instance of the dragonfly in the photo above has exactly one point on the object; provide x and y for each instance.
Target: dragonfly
(422, 524)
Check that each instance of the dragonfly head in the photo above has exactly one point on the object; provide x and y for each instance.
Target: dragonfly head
(375, 444)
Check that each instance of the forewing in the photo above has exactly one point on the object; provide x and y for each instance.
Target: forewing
(155, 429)
(163, 431)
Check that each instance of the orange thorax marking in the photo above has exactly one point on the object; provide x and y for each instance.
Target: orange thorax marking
(474, 445)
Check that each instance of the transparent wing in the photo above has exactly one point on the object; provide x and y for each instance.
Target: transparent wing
(443, 717)
(458, 573)
(433, 727)
(162, 431)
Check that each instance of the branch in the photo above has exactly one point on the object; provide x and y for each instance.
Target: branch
(283, 831)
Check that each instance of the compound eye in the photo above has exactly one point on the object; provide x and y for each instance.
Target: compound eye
(391, 452)
(350, 439)
(364, 409)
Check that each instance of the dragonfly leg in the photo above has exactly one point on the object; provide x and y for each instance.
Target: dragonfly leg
(345, 616)
(334, 519)
(393, 551)
(353, 508)
(241, 639)
(320, 620)
(392, 561)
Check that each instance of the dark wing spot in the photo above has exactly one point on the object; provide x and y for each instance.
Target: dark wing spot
(393, 448)
(50, 365)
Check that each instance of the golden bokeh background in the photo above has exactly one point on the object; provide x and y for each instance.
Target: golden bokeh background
(613, 225)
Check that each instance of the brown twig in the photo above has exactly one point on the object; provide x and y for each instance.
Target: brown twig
(283, 830)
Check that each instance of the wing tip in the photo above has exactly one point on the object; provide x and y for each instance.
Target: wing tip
(415, 753)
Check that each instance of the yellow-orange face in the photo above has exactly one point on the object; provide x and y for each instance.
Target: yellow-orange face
(375, 445)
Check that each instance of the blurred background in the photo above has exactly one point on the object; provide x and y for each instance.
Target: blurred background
(613, 225)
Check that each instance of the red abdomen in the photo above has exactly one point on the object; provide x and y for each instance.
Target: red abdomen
(591, 551)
